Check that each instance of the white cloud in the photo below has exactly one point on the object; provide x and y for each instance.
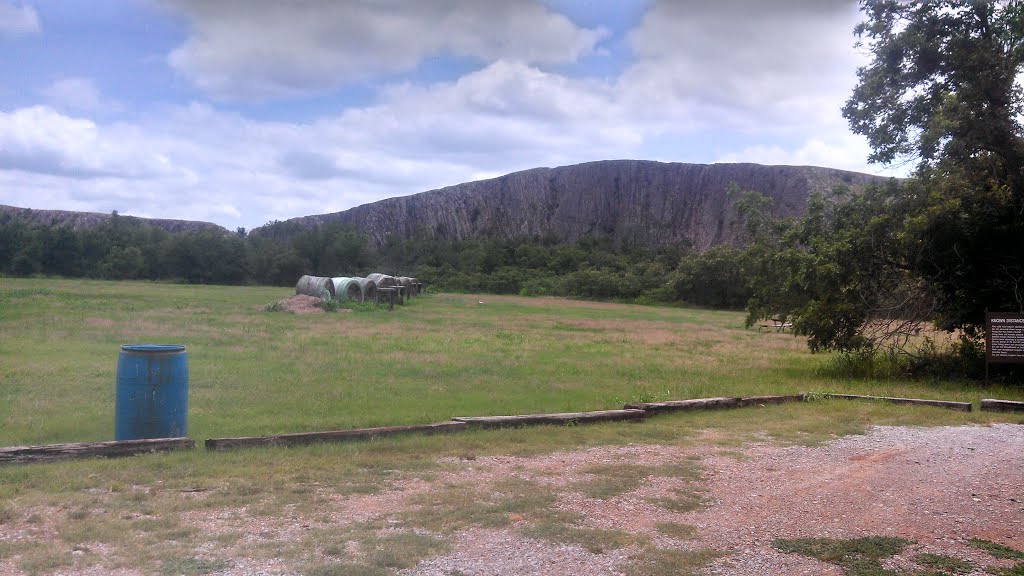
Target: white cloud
(706, 77)
(744, 65)
(842, 151)
(254, 50)
(503, 115)
(18, 19)
(74, 93)
(41, 140)
(197, 161)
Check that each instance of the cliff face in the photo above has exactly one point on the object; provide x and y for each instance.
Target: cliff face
(78, 220)
(629, 200)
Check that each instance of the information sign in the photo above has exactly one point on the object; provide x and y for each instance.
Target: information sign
(1004, 337)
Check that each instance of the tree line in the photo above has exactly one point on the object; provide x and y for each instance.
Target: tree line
(126, 248)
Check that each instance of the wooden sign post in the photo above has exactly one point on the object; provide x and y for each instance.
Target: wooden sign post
(1004, 339)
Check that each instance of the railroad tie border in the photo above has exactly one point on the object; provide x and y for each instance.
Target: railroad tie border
(630, 412)
(111, 449)
(960, 406)
(991, 405)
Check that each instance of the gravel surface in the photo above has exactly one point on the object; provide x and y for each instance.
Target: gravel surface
(938, 487)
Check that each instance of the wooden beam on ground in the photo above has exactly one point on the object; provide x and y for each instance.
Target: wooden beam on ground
(685, 405)
(558, 418)
(991, 405)
(112, 449)
(763, 400)
(961, 406)
(305, 438)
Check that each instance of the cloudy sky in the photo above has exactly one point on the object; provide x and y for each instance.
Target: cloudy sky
(244, 111)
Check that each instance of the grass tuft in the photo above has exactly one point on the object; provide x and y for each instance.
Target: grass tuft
(44, 559)
(191, 566)
(594, 540)
(677, 530)
(7, 514)
(402, 549)
(611, 480)
(996, 550)
(939, 564)
(458, 506)
(857, 556)
(683, 500)
(668, 562)
(345, 569)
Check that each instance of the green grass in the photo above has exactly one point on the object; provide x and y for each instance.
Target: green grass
(996, 550)
(668, 562)
(857, 556)
(595, 540)
(191, 566)
(459, 506)
(865, 556)
(255, 372)
(611, 480)
(676, 530)
(938, 564)
(345, 569)
(1000, 552)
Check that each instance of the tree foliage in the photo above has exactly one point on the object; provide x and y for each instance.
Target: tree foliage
(281, 252)
(941, 86)
(860, 272)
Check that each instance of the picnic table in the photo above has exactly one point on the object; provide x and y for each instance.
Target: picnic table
(778, 324)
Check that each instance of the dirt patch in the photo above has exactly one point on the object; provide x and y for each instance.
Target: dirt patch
(301, 304)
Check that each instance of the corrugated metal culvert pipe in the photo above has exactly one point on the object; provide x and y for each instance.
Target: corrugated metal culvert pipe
(347, 289)
(318, 286)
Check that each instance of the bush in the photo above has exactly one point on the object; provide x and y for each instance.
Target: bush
(963, 359)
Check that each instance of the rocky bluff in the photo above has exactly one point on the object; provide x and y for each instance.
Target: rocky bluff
(78, 220)
(628, 200)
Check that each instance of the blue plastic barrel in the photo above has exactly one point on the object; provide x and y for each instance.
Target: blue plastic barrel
(152, 392)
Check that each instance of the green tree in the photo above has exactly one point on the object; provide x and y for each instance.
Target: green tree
(941, 85)
(842, 272)
(941, 89)
(717, 277)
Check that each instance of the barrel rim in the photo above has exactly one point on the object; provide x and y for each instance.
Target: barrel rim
(153, 347)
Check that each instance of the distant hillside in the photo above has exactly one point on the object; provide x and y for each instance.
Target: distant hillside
(79, 220)
(634, 200)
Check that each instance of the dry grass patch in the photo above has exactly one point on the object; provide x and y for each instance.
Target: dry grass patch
(455, 507)
(676, 530)
(611, 480)
(670, 562)
(594, 540)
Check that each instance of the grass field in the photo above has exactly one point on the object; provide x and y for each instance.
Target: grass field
(254, 372)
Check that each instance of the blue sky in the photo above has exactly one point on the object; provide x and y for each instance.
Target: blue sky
(241, 112)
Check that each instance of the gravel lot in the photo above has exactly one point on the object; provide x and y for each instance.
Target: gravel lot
(938, 487)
